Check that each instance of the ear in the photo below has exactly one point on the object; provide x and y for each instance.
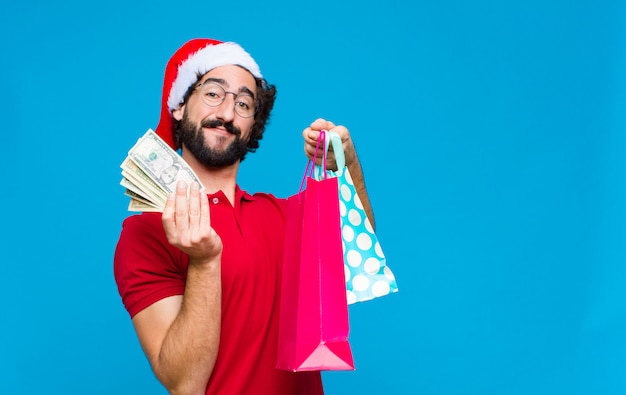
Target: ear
(178, 113)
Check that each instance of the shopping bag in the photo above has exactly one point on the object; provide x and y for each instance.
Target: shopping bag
(367, 275)
(313, 321)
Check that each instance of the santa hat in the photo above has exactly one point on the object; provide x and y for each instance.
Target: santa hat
(197, 56)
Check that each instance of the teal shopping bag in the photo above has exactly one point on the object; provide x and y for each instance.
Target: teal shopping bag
(365, 266)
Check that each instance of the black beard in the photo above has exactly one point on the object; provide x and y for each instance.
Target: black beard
(192, 138)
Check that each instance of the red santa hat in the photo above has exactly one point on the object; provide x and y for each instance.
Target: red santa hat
(196, 57)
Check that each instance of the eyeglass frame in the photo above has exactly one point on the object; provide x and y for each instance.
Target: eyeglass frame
(246, 92)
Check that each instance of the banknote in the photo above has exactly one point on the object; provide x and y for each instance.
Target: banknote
(136, 180)
(151, 171)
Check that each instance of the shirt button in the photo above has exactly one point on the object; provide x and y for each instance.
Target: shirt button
(215, 200)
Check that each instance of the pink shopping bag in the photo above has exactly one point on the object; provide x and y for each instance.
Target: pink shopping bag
(314, 325)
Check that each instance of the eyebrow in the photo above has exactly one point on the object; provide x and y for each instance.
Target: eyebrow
(221, 81)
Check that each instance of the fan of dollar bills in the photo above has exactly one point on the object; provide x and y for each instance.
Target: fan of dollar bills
(150, 173)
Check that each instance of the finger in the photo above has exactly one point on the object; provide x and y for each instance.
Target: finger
(168, 218)
(182, 208)
(314, 151)
(205, 213)
(342, 131)
(310, 136)
(347, 144)
(321, 123)
(194, 208)
(310, 142)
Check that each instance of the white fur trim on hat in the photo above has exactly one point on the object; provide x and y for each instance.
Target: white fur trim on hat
(204, 60)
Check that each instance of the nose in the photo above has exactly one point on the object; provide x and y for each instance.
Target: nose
(226, 110)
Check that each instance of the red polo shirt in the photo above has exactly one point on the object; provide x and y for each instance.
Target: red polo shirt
(147, 269)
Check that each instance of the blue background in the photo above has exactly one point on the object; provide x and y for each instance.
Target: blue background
(492, 139)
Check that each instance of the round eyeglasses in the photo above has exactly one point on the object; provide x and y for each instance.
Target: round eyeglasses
(214, 94)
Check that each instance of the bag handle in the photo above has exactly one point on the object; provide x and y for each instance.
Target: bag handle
(340, 157)
(320, 172)
(321, 141)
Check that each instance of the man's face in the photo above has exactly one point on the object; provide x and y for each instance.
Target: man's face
(217, 135)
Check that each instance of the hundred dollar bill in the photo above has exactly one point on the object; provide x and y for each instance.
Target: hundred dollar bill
(151, 172)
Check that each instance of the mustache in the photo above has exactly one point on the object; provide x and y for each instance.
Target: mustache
(214, 123)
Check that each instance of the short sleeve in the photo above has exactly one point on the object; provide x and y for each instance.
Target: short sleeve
(146, 267)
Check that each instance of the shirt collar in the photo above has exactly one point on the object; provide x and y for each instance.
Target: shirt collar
(240, 194)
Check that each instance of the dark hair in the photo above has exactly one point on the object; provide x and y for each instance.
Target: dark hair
(266, 95)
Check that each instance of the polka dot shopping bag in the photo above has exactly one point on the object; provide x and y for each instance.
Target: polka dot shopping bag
(366, 271)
